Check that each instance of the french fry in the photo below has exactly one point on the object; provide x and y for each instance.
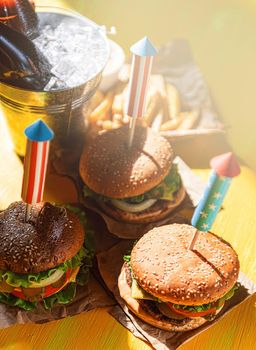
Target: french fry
(173, 101)
(153, 105)
(104, 117)
(156, 97)
(116, 124)
(162, 109)
(172, 124)
(157, 121)
(158, 82)
(117, 118)
(189, 119)
(107, 125)
(118, 104)
(101, 111)
(96, 100)
(126, 119)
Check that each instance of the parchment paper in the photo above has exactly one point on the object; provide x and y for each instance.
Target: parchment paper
(194, 188)
(87, 298)
(110, 263)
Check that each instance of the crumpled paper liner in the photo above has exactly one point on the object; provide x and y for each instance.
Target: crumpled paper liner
(110, 263)
(194, 188)
(88, 297)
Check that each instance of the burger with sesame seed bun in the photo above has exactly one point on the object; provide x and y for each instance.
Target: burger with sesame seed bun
(136, 185)
(173, 288)
(44, 259)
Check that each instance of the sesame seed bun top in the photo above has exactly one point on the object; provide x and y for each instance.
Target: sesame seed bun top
(52, 236)
(165, 268)
(109, 168)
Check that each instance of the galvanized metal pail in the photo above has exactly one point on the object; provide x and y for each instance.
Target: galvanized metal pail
(63, 110)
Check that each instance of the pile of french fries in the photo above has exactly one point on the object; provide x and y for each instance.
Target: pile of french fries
(163, 109)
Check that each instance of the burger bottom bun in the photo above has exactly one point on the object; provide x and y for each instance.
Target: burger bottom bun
(166, 324)
(156, 212)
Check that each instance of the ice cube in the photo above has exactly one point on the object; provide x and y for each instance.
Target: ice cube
(51, 84)
(76, 50)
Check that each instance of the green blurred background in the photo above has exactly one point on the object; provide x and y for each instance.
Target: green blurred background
(222, 34)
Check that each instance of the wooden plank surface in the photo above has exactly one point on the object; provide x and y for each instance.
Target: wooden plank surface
(10, 169)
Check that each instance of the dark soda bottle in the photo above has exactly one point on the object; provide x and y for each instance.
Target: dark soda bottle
(19, 15)
(22, 64)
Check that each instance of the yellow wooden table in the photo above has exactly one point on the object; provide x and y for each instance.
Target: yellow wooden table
(97, 330)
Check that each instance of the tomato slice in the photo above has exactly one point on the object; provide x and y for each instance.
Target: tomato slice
(45, 291)
(32, 292)
(19, 294)
(191, 313)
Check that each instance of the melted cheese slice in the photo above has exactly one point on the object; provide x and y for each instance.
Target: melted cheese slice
(139, 293)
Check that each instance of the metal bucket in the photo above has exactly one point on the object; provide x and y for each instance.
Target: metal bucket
(63, 110)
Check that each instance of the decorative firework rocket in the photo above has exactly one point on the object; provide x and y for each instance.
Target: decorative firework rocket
(143, 53)
(225, 167)
(35, 163)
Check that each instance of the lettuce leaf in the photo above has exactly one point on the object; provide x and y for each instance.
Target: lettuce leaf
(65, 296)
(25, 280)
(127, 258)
(165, 190)
(11, 300)
(204, 307)
(229, 294)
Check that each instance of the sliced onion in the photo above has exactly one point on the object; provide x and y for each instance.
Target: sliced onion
(133, 208)
(50, 280)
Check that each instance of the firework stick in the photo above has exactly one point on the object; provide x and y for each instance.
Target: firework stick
(193, 240)
(225, 167)
(35, 164)
(143, 52)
